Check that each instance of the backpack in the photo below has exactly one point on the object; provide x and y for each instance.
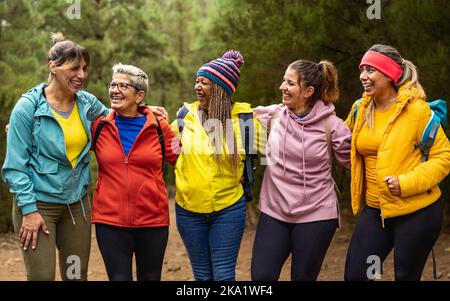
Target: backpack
(251, 156)
(158, 129)
(438, 116)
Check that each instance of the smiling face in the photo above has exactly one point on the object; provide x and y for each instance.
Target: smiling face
(295, 96)
(70, 78)
(375, 83)
(124, 101)
(203, 90)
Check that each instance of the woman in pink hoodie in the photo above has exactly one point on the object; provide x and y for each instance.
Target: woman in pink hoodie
(298, 201)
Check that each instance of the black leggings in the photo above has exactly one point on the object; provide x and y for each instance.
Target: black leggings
(118, 244)
(275, 240)
(412, 237)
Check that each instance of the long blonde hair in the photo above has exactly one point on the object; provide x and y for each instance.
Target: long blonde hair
(409, 74)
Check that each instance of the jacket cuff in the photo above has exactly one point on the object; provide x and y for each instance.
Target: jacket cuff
(29, 208)
(403, 186)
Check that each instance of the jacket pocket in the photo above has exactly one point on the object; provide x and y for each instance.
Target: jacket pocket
(85, 170)
(151, 202)
(45, 177)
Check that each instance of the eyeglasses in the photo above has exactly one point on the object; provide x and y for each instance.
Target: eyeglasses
(122, 86)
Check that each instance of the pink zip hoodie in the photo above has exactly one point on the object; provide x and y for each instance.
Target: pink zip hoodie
(297, 185)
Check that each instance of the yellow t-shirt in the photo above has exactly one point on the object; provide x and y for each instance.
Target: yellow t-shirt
(74, 134)
(367, 146)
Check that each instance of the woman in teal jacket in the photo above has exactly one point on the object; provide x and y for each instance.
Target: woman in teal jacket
(47, 166)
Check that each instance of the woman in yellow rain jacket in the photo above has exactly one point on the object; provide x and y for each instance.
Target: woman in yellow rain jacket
(210, 202)
(395, 194)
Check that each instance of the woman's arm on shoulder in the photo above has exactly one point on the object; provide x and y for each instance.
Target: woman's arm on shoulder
(172, 144)
(341, 138)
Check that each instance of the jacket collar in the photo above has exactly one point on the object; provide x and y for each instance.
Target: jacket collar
(144, 110)
(42, 106)
(406, 93)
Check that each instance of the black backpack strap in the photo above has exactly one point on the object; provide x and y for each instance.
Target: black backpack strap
(98, 130)
(248, 138)
(161, 141)
(182, 112)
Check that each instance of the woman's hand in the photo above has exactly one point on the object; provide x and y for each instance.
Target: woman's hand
(31, 224)
(393, 185)
(159, 112)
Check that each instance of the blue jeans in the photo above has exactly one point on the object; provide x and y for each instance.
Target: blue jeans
(212, 240)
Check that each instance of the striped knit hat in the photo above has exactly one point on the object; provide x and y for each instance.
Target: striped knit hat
(224, 71)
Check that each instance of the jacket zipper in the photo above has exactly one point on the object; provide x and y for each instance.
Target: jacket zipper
(70, 164)
(116, 130)
(128, 190)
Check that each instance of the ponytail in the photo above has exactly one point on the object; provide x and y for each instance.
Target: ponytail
(329, 92)
(65, 53)
(322, 76)
(411, 75)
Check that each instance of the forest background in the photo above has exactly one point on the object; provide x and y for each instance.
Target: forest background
(171, 39)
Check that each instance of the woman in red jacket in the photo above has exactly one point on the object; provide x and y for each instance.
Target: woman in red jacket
(130, 205)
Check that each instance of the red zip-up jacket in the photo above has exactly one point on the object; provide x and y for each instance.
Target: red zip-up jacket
(130, 191)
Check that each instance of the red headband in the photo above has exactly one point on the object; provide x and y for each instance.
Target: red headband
(383, 64)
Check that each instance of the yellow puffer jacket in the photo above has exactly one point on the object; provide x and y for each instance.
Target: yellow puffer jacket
(201, 186)
(397, 156)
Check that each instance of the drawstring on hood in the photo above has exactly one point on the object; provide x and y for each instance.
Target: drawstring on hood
(303, 157)
(319, 111)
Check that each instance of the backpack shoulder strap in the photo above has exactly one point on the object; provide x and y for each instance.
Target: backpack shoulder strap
(428, 136)
(355, 109)
(180, 117)
(438, 117)
(98, 130)
(247, 132)
(248, 135)
(161, 141)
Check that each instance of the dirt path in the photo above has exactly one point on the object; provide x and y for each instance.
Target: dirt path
(177, 267)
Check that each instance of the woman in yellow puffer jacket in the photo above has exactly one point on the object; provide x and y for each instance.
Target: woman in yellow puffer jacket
(395, 194)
